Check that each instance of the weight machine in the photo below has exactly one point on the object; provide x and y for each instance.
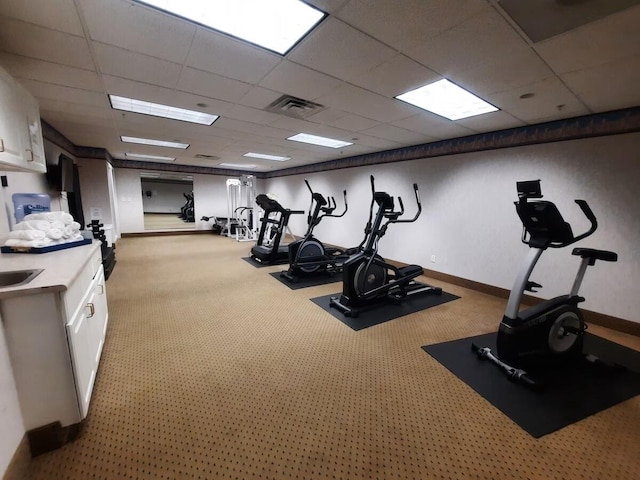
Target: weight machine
(242, 210)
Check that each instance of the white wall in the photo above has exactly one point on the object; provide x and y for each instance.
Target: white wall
(469, 221)
(129, 201)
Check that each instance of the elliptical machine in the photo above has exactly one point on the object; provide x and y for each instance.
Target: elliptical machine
(553, 330)
(368, 280)
(308, 256)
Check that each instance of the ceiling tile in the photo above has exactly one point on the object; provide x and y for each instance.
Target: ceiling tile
(45, 44)
(329, 6)
(327, 116)
(135, 66)
(229, 57)
(433, 126)
(24, 67)
(65, 94)
(547, 18)
(515, 69)
(351, 99)
(607, 87)
(339, 50)
(258, 97)
(138, 28)
(419, 19)
(398, 75)
(354, 123)
(549, 95)
(484, 38)
(77, 109)
(212, 85)
(293, 79)
(253, 128)
(248, 114)
(397, 134)
(58, 15)
(612, 38)
(489, 122)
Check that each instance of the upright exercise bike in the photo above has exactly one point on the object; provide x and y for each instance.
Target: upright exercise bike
(553, 330)
(309, 256)
(368, 280)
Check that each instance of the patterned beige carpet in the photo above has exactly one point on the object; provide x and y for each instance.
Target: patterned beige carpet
(214, 370)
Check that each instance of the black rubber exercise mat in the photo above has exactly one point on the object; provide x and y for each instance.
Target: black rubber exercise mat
(571, 392)
(258, 264)
(385, 311)
(305, 282)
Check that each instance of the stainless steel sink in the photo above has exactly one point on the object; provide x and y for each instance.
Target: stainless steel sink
(18, 277)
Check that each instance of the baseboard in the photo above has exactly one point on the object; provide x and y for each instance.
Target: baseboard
(18, 468)
(165, 232)
(614, 323)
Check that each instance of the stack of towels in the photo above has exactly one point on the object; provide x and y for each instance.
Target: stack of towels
(44, 229)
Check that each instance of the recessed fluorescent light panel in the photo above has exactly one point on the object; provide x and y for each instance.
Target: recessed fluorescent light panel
(447, 100)
(274, 25)
(159, 110)
(157, 143)
(264, 156)
(142, 156)
(322, 141)
(237, 165)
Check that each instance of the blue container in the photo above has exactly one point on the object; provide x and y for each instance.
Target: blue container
(26, 203)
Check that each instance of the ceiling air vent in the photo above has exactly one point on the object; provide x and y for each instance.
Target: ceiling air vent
(294, 107)
(206, 157)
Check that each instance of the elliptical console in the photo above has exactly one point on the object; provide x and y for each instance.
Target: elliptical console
(552, 330)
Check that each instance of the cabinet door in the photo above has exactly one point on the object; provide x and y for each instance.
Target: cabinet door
(32, 143)
(100, 314)
(12, 121)
(79, 336)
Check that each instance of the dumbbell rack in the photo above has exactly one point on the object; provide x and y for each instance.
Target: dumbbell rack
(108, 253)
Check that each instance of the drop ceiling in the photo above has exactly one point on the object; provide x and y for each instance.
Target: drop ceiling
(575, 56)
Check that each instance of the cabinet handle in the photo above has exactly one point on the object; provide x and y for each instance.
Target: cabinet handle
(30, 157)
(92, 310)
(101, 289)
(1, 145)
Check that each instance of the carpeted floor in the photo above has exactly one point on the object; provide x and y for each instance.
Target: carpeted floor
(214, 370)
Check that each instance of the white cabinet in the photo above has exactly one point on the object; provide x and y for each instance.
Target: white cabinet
(55, 339)
(21, 144)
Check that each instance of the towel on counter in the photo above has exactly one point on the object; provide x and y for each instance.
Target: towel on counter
(27, 235)
(45, 228)
(14, 242)
(54, 233)
(41, 225)
(51, 217)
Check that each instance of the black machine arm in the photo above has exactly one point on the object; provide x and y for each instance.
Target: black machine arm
(418, 202)
(584, 206)
(346, 206)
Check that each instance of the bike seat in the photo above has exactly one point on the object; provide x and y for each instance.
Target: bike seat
(593, 254)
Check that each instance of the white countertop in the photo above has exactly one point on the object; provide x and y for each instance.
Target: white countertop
(60, 268)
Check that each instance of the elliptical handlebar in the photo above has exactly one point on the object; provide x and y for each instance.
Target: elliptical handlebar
(418, 202)
(586, 209)
(346, 206)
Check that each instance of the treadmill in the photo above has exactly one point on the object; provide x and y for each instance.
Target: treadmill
(268, 250)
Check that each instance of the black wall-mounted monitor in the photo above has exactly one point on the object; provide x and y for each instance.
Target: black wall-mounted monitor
(60, 176)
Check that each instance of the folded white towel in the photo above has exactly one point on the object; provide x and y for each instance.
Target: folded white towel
(75, 225)
(27, 234)
(14, 242)
(63, 217)
(54, 233)
(58, 224)
(41, 225)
